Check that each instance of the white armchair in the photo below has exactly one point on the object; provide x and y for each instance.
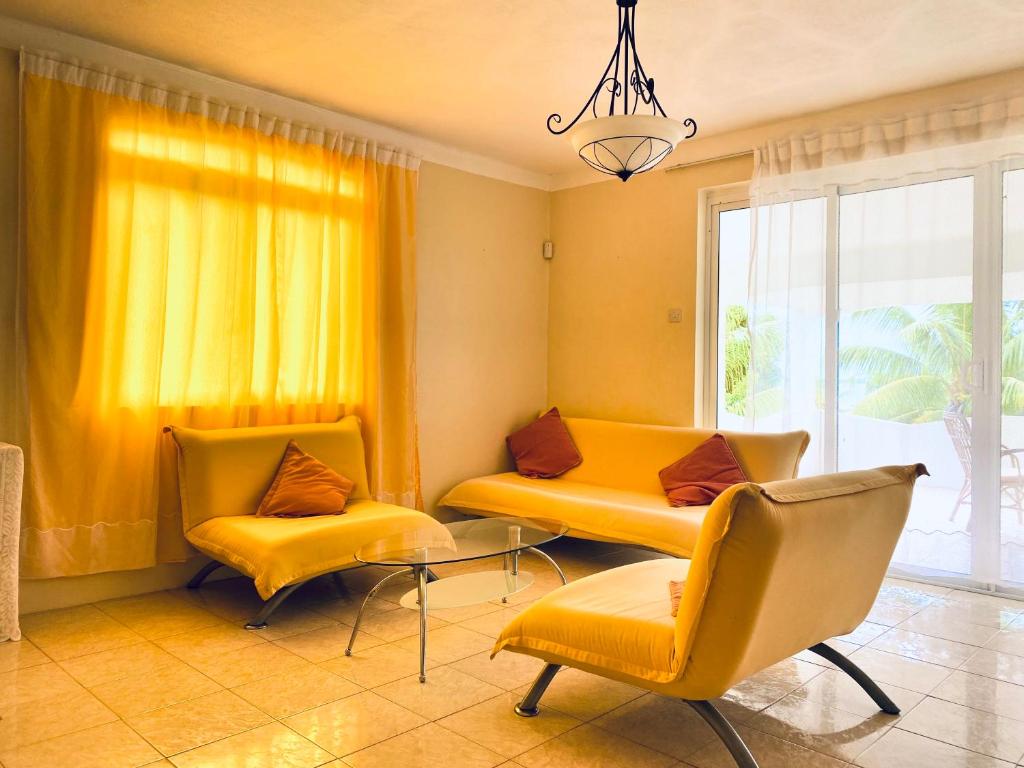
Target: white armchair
(12, 471)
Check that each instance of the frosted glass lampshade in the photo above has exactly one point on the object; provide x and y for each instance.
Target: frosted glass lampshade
(622, 145)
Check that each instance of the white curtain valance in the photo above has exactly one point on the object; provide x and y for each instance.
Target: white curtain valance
(951, 136)
(108, 80)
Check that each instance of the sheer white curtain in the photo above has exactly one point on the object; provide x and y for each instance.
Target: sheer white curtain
(876, 315)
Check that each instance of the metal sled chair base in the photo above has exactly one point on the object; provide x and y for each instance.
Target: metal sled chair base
(259, 621)
(528, 707)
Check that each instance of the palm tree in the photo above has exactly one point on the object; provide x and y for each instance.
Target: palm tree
(918, 366)
(740, 343)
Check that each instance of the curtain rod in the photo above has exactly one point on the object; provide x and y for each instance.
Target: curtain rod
(692, 163)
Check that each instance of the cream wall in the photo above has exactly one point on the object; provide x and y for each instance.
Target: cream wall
(624, 255)
(482, 321)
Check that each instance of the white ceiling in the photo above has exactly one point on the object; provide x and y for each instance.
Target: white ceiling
(483, 75)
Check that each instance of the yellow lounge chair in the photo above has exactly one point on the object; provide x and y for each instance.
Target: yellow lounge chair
(778, 568)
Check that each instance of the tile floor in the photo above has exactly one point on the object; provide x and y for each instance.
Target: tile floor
(171, 679)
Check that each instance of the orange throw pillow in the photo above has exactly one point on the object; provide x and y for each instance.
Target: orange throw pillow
(304, 487)
(701, 475)
(543, 448)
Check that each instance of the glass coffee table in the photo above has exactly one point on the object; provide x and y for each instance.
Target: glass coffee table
(416, 551)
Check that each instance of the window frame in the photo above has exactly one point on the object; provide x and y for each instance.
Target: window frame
(713, 202)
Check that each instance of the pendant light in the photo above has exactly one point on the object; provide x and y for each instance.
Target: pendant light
(623, 142)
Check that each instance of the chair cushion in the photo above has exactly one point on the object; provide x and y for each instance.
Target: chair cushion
(277, 551)
(591, 511)
(619, 620)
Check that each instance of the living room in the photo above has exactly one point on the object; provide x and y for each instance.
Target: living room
(415, 382)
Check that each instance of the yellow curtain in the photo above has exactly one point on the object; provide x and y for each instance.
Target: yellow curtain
(197, 264)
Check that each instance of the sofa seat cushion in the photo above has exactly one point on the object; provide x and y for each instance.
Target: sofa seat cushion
(277, 551)
(618, 620)
(592, 511)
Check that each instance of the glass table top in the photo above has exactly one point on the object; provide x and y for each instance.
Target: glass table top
(462, 540)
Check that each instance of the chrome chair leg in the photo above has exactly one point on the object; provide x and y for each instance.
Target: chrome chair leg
(724, 730)
(528, 706)
(366, 601)
(859, 676)
(203, 572)
(421, 590)
(259, 621)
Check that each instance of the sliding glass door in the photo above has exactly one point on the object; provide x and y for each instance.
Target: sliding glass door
(905, 349)
(921, 331)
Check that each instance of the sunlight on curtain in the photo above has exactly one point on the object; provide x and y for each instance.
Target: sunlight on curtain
(200, 270)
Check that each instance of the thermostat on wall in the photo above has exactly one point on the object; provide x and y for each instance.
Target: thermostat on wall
(549, 250)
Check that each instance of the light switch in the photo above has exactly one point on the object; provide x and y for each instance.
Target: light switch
(675, 315)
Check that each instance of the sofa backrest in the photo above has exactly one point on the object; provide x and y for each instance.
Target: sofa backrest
(226, 472)
(620, 455)
(783, 566)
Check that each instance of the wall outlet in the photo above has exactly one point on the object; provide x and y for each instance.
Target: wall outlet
(675, 315)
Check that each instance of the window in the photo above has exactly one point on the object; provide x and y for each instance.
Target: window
(913, 297)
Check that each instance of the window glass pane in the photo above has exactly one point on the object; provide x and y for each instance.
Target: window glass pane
(905, 347)
(733, 332)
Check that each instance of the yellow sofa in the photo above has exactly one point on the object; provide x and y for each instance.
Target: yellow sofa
(615, 493)
(223, 474)
(778, 568)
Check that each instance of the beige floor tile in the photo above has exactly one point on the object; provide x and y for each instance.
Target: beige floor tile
(837, 645)
(890, 615)
(935, 590)
(113, 745)
(209, 641)
(249, 664)
(592, 746)
(932, 621)
(585, 696)
(1008, 641)
(1001, 666)
(426, 747)
(864, 633)
(768, 750)
(495, 725)
(269, 746)
(507, 670)
(902, 749)
(448, 644)
(935, 650)
(20, 654)
(378, 665)
(41, 719)
(983, 732)
(234, 600)
(45, 681)
(446, 691)
(118, 663)
(70, 632)
(491, 624)
(327, 643)
(914, 675)
(663, 724)
(345, 610)
(160, 688)
(295, 691)
(769, 685)
(983, 693)
(462, 613)
(396, 625)
(828, 730)
(837, 689)
(194, 723)
(158, 614)
(904, 596)
(957, 607)
(354, 723)
(287, 621)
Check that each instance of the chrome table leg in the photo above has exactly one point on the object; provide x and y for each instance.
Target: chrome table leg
(421, 588)
(366, 600)
(552, 563)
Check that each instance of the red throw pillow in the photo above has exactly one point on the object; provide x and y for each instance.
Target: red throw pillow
(304, 487)
(543, 448)
(701, 475)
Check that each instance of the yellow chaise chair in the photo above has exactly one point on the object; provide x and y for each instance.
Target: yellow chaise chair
(615, 493)
(778, 568)
(224, 473)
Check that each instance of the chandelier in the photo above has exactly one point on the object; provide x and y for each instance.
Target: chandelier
(623, 142)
